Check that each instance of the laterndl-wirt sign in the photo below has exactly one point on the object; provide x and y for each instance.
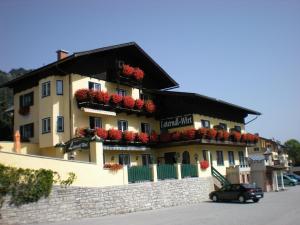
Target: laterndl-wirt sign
(177, 121)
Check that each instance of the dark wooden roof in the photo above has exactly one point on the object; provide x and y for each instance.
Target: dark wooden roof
(100, 63)
(171, 103)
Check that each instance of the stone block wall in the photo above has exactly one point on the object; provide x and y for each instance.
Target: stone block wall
(77, 202)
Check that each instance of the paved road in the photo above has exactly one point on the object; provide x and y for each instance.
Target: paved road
(281, 208)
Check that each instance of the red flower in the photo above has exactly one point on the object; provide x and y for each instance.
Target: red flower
(175, 136)
(256, 138)
(220, 135)
(128, 102)
(211, 133)
(203, 132)
(189, 134)
(102, 133)
(236, 136)
(103, 97)
(139, 103)
(138, 74)
(142, 137)
(127, 70)
(81, 95)
(128, 136)
(225, 135)
(204, 164)
(115, 98)
(113, 167)
(153, 137)
(92, 94)
(149, 106)
(80, 132)
(165, 137)
(114, 134)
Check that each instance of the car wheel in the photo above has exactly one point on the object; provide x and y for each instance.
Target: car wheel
(215, 198)
(242, 199)
(256, 200)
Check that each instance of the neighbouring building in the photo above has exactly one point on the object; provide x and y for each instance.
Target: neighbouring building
(124, 97)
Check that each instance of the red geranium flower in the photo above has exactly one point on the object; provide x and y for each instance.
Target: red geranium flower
(189, 134)
(236, 136)
(114, 134)
(149, 106)
(176, 136)
(138, 74)
(92, 94)
(115, 98)
(225, 135)
(142, 137)
(127, 70)
(81, 95)
(128, 136)
(153, 137)
(103, 97)
(202, 132)
(139, 103)
(211, 133)
(128, 102)
(102, 133)
(220, 134)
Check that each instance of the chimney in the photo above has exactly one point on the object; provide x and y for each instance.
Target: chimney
(61, 54)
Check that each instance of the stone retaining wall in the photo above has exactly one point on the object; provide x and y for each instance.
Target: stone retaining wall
(76, 202)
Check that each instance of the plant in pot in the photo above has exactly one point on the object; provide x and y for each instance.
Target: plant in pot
(116, 99)
(139, 103)
(226, 135)
(142, 137)
(138, 74)
(115, 135)
(81, 95)
(128, 136)
(220, 135)
(211, 134)
(127, 70)
(202, 132)
(153, 137)
(102, 133)
(236, 136)
(189, 134)
(102, 97)
(128, 102)
(149, 106)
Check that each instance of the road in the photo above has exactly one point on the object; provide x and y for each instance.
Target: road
(277, 208)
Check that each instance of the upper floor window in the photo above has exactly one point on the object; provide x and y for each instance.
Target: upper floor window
(45, 89)
(95, 86)
(122, 125)
(145, 128)
(238, 128)
(121, 92)
(220, 159)
(60, 124)
(26, 100)
(95, 122)
(59, 87)
(27, 131)
(231, 157)
(46, 126)
(223, 126)
(205, 123)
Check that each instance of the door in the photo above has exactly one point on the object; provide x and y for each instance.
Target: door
(170, 157)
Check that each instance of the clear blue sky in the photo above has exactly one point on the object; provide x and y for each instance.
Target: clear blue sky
(243, 52)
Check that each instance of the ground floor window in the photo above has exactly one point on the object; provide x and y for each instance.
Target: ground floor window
(146, 159)
(124, 159)
(185, 157)
(220, 159)
(231, 157)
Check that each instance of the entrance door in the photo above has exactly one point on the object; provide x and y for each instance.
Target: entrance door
(170, 157)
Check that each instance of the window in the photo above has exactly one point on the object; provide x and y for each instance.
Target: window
(59, 87)
(95, 122)
(205, 123)
(145, 128)
(256, 149)
(122, 125)
(121, 92)
(241, 158)
(146, 159)
(46, 127)
(45, 89)
(124, 159)
(185, 157)
(60, 124)
(26, 131)
(231, 158)
(95, 86)
(220, 159)
(26, 100)
(223, 126)
(204, 154)
(238, 128)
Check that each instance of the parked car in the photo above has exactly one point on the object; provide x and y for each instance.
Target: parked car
(237, 192)
(287, 180)
(294, 176)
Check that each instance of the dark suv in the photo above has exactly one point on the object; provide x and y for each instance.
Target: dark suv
(237, 192)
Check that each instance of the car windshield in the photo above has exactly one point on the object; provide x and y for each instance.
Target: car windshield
(249, 186)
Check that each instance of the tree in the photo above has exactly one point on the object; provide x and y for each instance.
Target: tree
(293, 147)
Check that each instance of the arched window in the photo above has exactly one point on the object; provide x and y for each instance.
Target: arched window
(185, 157)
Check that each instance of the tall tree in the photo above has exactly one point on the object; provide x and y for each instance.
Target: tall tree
(293, 147)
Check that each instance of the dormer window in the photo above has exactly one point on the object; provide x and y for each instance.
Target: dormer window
(95, 86)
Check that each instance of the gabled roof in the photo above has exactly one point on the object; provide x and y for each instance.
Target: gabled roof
(159, 79)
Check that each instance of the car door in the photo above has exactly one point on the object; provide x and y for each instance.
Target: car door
(225, 192)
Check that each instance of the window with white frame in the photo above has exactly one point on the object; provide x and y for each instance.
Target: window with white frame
(60, 124)
(46, 126)
(95, 86)
(122, 125)
(46, 89)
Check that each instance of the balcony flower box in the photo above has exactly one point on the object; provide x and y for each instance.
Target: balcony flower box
(128, 102)
(129, 136)
(142, 137)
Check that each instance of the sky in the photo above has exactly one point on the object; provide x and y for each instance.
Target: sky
(243, 52)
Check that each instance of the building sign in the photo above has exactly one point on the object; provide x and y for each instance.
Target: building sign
(178, 121)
